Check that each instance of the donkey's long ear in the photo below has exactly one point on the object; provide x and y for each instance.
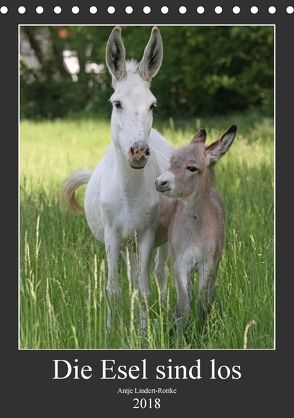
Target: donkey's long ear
(116, 54)
(200, 137)
(218, 148)
(152, 57)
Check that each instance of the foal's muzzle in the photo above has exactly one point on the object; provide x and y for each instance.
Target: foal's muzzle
(162, 185)
(138, 154)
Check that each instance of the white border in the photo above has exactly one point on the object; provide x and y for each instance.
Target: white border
(147, 349)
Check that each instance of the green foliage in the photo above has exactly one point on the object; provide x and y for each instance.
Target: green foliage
(63, 268)
(206, 70)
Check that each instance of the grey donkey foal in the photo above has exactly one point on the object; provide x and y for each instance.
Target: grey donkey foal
(196, 231)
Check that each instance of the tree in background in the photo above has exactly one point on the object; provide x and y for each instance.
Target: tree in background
(206, 70)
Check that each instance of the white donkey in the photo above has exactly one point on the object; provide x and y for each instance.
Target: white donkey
(196, 232)
(122, 208)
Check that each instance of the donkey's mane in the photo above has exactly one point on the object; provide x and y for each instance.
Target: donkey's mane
(132, 66)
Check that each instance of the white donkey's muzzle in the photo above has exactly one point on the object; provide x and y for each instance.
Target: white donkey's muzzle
(138, 154)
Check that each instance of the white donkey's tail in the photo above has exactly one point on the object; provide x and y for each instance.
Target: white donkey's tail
(70, 186)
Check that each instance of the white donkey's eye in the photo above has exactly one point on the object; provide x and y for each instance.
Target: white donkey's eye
(117, 105)
(191, 168)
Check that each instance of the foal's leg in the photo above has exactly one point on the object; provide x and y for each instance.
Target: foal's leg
(182, 277)
(146, 242)
(207, 274)
(112, 246)
(161, 270)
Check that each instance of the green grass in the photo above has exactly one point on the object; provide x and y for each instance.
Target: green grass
(63, 302)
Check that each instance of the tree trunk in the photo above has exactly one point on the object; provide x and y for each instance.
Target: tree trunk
(34, 44)
(57, 49)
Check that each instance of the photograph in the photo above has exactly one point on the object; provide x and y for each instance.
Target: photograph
(147, 187)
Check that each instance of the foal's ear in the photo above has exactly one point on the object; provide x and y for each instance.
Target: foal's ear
(200, 137)
(218, 148)
(152, 57)
(116, 54)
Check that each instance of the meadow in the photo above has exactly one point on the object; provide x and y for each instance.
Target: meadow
(63, 270)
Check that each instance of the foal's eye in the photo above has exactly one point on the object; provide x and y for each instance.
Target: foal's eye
(118, 105)
(191, 168)
(152, 106)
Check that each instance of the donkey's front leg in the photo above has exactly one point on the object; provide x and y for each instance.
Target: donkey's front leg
(182, 277)
(146, 241)
(112, 246)
(207, 274)
(161, 270)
